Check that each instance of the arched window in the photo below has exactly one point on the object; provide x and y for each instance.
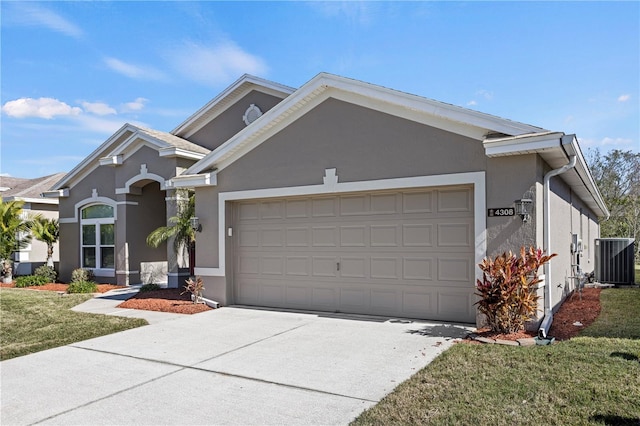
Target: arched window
(98, 237)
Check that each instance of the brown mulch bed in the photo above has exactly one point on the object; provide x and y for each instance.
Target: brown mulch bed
(165, 300)
(572, 310)
(102, 288)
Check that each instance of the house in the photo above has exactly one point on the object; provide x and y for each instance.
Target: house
(28, 191)
(338, 196)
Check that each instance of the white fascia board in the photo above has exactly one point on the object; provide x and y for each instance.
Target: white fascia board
(570, 142)
(59, 193)
(172, 152)
(522, 145)
(250, 81)
(193, 181)
(113, 160)
(32, 200)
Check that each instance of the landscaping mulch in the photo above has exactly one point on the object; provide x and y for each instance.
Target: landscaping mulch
(573, 311)
(172, 300)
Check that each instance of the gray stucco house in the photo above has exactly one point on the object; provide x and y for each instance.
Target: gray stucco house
(338, 196)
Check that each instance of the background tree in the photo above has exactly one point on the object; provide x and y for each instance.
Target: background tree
(617, 174)
(179, 228)
(14, 235)
(47, 231)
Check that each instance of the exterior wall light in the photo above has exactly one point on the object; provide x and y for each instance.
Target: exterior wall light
(195, 224)
(524, 207)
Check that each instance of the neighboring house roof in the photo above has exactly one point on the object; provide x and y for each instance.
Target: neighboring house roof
(126, 141)
(28, 190)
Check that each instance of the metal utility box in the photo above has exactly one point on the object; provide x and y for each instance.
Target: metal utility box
(614, 261)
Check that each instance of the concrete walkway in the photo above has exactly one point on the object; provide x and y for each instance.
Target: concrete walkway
(226, 366)
(107, 303)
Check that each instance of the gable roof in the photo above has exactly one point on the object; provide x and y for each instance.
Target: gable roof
(227, 97)
(126, 141)
(28, 190)
(323, 86)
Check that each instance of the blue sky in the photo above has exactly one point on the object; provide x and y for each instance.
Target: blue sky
(72, 73)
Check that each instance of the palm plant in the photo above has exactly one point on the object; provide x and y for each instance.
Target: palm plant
(47, 231)
(179, 229)
(14, 234)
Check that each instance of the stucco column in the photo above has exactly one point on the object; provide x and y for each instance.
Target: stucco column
(177, 268)
(122, 255)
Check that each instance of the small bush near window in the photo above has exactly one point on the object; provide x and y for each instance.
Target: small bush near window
(81, 274)
(508, 289)
(46, 272)
(82, 287)
(31, 280)
(149, 287)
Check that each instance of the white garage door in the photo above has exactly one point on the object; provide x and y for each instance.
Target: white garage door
(401, 254)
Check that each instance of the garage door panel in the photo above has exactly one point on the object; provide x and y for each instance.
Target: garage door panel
(455, 234)
(397, 254)
(324, 266)
(353, 267)
(324, 298)
(454, 201)
(324, 236)
(417, 268)
(297, 266)
(454, 269)
(272, 265)
(353, 236)
(296, 209)
(417, 202)
(417, 235)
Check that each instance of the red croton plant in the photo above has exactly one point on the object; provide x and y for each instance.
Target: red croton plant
(508, 289)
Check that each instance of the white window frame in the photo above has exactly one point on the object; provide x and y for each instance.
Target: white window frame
(98, 270)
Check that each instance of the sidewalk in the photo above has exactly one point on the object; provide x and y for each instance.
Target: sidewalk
(107, 303)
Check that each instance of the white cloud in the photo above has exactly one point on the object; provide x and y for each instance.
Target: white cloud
(27, 13)
(98, 108)
(133, 71)
(472, 103)
(485, 94)
(41, 108)
(624, 98)
(215, 65)
(136, 105)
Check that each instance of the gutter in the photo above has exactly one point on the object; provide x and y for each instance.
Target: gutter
(548, 306)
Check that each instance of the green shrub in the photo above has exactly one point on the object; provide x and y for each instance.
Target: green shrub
(82, 287)
(508, 289)
(31, 280)
(47, 272)
(82, 275)
(149, 287)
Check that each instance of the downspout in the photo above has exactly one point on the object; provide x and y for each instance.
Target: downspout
(548, 306)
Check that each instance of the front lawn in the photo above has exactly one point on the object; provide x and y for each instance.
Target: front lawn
(32, 321)
(591, 379)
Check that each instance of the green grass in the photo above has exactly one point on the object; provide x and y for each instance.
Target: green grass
(589, 380)
(32, 321)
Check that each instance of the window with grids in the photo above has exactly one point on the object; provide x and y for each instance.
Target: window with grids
(98, 237)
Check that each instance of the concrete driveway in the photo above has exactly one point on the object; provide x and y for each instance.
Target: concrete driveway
(228, 366)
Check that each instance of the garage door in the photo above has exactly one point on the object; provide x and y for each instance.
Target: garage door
(400, 254)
